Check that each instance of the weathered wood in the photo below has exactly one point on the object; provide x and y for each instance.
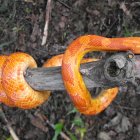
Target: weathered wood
(110, 72)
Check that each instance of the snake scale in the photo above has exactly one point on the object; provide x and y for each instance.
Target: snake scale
(15, 92)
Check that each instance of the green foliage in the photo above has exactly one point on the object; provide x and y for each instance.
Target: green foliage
(58, 128)
(127, 33)
(82, 132)
(78, 122)
(74, 110)
(9, 138)
(80, 127)
(72, 136)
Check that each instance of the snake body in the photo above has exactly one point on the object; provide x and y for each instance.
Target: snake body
(14, 90)
(14, 84)
(73, 81)
(3, 97)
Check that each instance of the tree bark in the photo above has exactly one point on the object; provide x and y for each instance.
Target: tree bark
(116, 70)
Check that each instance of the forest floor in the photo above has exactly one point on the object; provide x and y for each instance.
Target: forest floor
(21, 29)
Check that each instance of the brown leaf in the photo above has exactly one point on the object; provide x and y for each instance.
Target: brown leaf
(38, 123)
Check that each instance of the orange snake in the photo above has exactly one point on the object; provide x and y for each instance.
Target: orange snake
(14, 91)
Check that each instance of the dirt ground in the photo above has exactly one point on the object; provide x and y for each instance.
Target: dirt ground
(21, 29)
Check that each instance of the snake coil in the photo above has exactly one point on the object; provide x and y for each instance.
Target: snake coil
(14, 90)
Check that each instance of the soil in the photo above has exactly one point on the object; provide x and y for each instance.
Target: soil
(21, 29)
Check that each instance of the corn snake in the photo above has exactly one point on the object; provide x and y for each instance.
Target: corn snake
(15, 65)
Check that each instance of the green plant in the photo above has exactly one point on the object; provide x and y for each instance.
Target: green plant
(78, 122)
(127, 33)
(82, 132)
(72, 136)
(74, 110)
(9, 138)
(80, 127)
(58, 128)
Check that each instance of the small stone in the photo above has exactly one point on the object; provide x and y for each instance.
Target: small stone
(103, 136)
(125, 124)
(116, 120)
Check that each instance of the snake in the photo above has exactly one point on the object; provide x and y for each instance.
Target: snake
(16, 92)
(72, 78)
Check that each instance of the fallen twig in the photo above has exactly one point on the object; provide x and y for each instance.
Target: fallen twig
(45, 33)
(11, 130)
(43, 117)
(64, 4)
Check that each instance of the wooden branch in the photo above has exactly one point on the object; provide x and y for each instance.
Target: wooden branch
(11, 130)
(110, 72)
(45, 33)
